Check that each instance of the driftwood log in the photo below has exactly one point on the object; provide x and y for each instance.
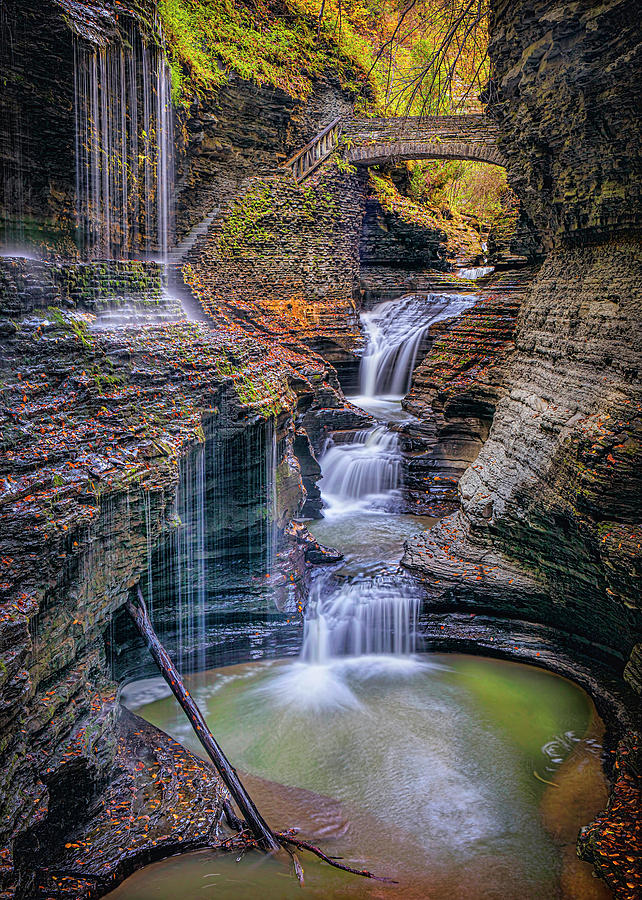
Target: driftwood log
(257, 824)
(263, 836)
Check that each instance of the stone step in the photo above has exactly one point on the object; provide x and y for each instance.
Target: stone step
(178, 253)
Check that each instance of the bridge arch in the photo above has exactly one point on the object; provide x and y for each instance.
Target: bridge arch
(471, 137)
(374, 154)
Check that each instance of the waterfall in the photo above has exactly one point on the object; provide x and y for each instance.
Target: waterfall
(475, 273)
(375, 616)
(363, 471)
(210, 571)
(395, 331)
(190, 555)
(124, 147)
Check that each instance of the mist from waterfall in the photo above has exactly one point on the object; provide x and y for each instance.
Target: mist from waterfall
(395, 331)
(124, 148)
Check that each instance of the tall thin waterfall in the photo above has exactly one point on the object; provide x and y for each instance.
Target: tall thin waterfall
(222, 544)
(124, 148)
(374, 616)
(395, 330)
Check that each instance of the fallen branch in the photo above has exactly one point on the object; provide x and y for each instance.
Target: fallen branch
(259, 828)
(264, 837)
(304, 845)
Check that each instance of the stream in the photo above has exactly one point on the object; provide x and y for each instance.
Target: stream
(458, 776)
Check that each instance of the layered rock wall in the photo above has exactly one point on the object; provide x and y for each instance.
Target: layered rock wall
(564, 98)
(549, 529)
(39, 45)
(552, 491)
(455, 392)
(95, 425)
(283, 257)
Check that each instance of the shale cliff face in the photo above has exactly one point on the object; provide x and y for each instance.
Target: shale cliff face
(98, 415)
(565, 101)
(115, 407)
(548, 527)
(455, 392)
(554, 488)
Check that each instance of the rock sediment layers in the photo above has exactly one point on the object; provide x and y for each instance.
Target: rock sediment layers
(95, 424)
(454, 393)
(548, 528)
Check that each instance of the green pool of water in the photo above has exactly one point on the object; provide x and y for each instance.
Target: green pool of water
(369, 540)
(445, 772)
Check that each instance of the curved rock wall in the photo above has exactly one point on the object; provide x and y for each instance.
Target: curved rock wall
(549, 525)
(555, 489)
(95, 422)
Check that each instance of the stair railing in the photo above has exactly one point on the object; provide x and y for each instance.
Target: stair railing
(313, 154)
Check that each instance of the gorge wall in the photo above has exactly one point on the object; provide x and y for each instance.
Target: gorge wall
(548, 529)
(98, 419)
(568, 429)
(110, 397)
(536, 387)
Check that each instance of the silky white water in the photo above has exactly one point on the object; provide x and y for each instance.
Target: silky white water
(476, 272)
(432, 770)
(395, 331)
(362, 471)
(124, 147)
(430, 776)
(370, 616)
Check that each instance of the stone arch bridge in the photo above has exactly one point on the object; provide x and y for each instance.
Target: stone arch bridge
(370, 142)
(375, 141)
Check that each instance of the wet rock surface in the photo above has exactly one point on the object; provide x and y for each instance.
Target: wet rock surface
(548, 523)
(563, 103)
(533, 394)
(157, 799)
(95, 425)
(455, 391)
(552, 487)
(611, 841)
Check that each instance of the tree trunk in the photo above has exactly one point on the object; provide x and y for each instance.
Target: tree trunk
(264, 836)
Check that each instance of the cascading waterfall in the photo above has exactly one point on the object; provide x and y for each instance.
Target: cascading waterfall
(362, 472)
(395, 331)
(373, 616)
(476, 272)
(124, 148)
(364, 469)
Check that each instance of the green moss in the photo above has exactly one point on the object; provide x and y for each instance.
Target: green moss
(76, 326)
(252, 390)
(105, 381)
(242, 225)
(268, 43)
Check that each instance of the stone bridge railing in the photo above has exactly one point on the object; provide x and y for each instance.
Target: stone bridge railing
(373, 141)
(313, 154)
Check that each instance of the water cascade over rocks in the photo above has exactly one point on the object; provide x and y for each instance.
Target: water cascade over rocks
(362, 475)
(475, 273)
(395, 331)
(361, 470)
(373, 616)
(221, 548)
(124, 148)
